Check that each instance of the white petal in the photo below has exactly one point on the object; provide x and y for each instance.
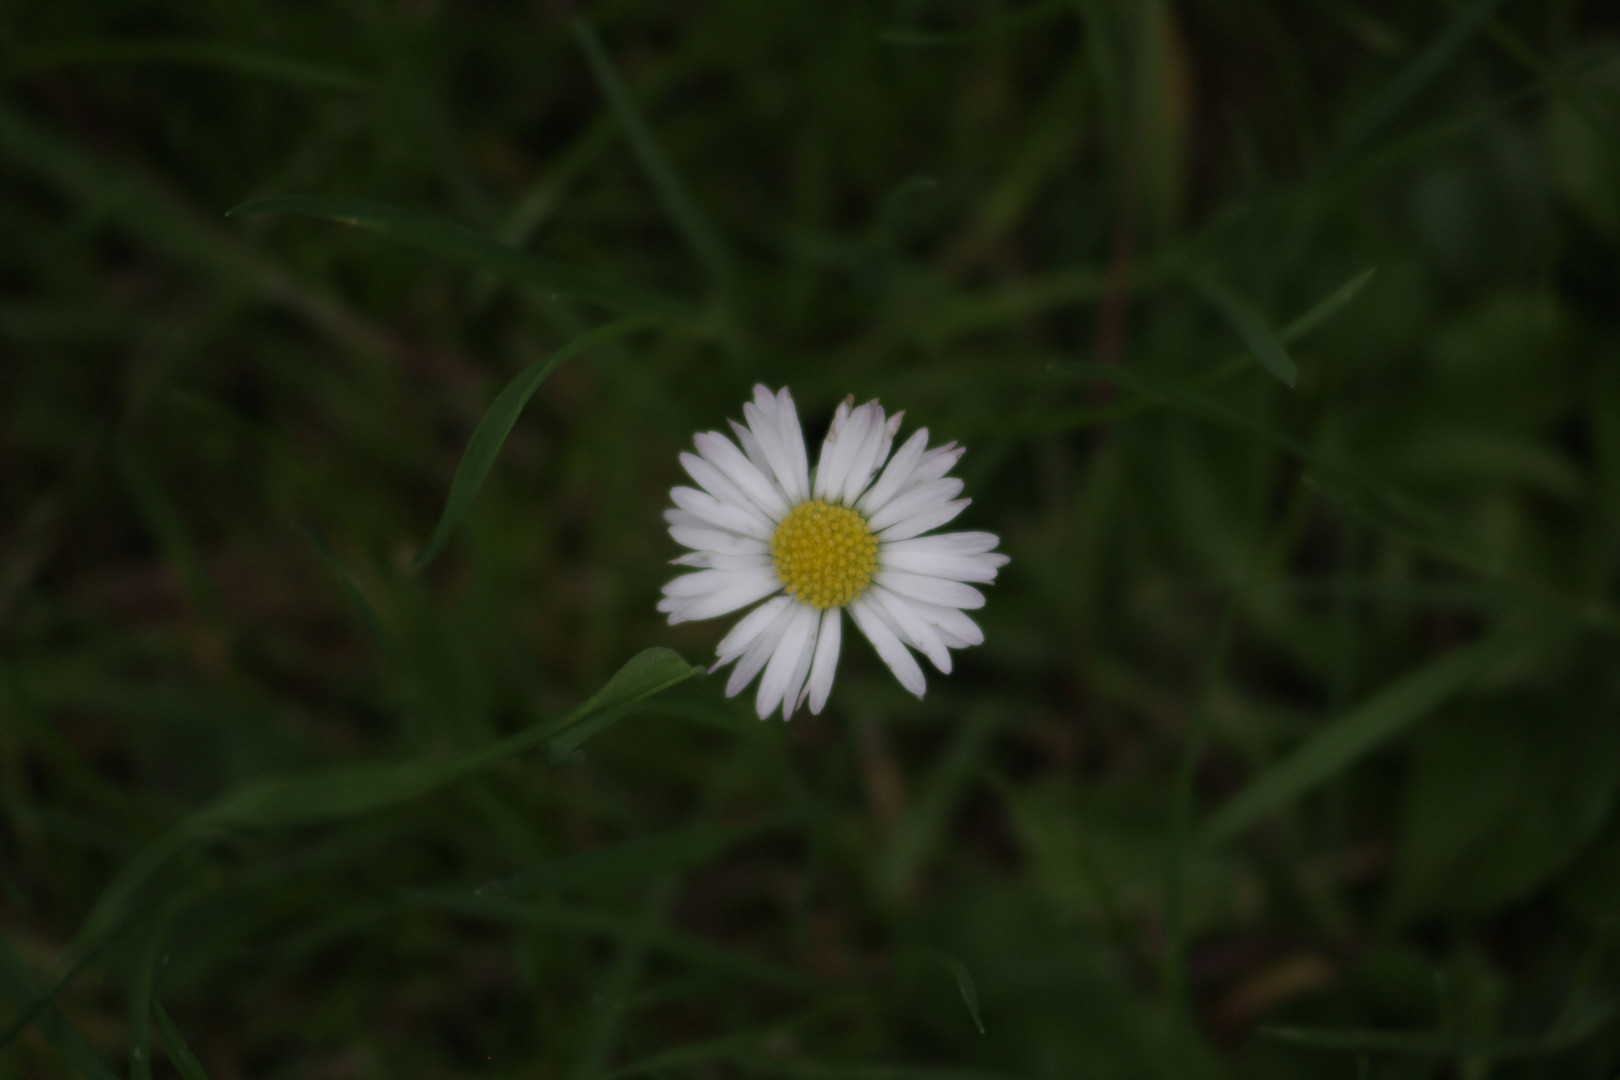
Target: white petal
(725, 456)
(715, 560)
(785, 660)
(751, 447)
(954, 567)
(760, 651)
(867, 465)
(829, 446)
(930, 590)
(748, 629)
(847, 442)
(826, 660)
(913, 629)
(794, 694)
(888, 646)
(951, 622)
(895, 476)
(715, 512)
(707, 538)
(956, 543)
(863, 457)
(718, 603)
(716, 483)
(923, 520)
(915, 500)
(774, 447)
(787, 418)
(936, 463)
(710, 581)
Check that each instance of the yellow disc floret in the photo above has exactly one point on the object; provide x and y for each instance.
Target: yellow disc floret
(825, 554)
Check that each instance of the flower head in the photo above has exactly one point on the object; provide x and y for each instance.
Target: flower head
(847, 535)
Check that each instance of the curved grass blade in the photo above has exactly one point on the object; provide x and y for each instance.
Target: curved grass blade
(490, 435)
(140, 1003)
(180, 1055)
(466, 246)
(334, 793)
(337, 792)
(17, 985)
(209, 54)
(694, 228)
(1360, 731)
(1250, 325)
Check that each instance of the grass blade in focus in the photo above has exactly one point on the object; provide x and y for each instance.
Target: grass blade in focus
(490, 435)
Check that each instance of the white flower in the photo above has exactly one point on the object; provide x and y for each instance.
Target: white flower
(847, 535)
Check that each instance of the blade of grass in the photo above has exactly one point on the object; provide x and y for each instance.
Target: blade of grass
(1335, 478)
(211, 54)
(1413, 80)
(695, 230)
(18, 985)
(919, 834)
(152, 213)
(1326, 308)
(469, 247)
(964, 986)
(140, 1002)
(490, 434)
(334, 793)
(180, 1056)
(1365, 728)
(1251, 326)
(601, 1028)
(353, 593)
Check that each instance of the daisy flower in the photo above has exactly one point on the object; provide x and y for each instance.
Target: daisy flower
(846, 536)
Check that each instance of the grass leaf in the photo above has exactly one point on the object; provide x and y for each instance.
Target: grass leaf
(185, 1062)
(1366, 727)
(490, 434)
(18, 986)
(1326, 308)
(964, 986)
(694, 228)
(1415, 78)
(1251, 326)
(466, 246)
(335, 793)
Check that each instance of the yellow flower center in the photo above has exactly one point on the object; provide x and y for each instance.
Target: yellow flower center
(825, 554)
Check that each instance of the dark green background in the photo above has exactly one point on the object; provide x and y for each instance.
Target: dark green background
(1294, 745)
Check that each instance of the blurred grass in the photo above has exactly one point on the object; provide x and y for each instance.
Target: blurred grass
(1284, 341)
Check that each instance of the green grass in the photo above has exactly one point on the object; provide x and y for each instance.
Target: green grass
(346, 352)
